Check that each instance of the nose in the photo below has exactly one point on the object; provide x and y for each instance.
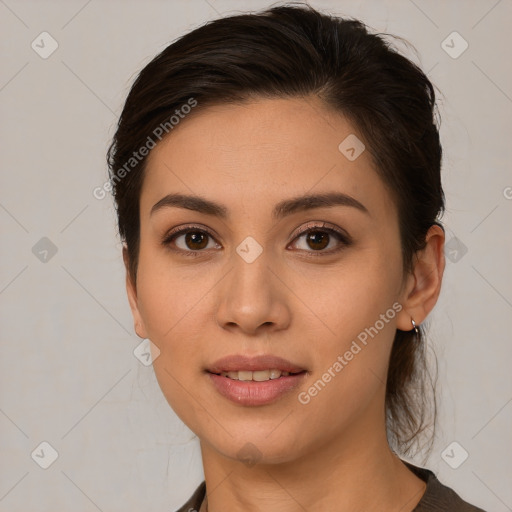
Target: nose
(252, 298)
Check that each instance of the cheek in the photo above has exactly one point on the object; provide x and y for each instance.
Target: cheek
(331, 309)
(334, 304)
(355, 315)
(172, 308)
(350, 366)
(166, 295)
(352, 297)
(176, 305)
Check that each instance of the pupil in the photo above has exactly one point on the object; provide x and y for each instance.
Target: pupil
(316, 240)
(196, 238)
(315, 237)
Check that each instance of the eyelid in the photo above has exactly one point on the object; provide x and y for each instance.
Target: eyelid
(182, 230)
(191, 227)
(332, 229)
(323, 226)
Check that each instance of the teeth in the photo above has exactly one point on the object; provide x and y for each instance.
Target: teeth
(243, 375)
(261, 375)
(258, 376)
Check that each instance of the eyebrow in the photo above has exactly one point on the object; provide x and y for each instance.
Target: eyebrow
(282, 209)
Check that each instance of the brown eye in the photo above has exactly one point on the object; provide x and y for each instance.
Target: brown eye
(322, 240)
(189, 241)
(196, 240)
(317, 240)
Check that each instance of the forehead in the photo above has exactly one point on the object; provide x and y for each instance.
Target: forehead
(264, 149)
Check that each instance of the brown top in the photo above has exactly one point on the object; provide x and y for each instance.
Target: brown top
(437, 497)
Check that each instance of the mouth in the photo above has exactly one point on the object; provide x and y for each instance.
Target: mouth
(253, 381)
(260, 365)
(257, 376)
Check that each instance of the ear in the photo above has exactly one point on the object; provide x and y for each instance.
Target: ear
(131, 291)
(423, 285)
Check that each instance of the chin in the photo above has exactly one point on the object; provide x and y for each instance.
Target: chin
(252, 450)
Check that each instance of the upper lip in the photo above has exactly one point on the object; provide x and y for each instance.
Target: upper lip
(240, 362)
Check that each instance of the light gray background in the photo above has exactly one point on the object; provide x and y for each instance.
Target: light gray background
(68, 375)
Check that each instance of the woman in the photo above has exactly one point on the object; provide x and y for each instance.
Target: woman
(278, 190)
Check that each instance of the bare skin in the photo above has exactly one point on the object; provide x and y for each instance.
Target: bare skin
(294, 300)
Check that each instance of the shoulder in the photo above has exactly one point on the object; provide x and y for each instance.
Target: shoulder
(438, 497)
(194, 502)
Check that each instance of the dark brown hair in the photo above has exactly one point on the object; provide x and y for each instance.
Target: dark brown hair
(296, 51)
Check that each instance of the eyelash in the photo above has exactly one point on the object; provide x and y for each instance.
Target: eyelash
(342, 237)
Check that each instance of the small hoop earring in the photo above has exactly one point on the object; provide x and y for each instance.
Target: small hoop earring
(415, 327)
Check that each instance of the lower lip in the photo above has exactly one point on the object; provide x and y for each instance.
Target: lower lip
(252, 393)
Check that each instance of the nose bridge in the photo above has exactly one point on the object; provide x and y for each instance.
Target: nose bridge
(248, 298)
(251, 282)
(250, 250)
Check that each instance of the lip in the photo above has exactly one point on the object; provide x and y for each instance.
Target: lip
(264, 362)
(253, 393)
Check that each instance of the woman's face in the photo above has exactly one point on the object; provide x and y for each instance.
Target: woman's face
(248, 281)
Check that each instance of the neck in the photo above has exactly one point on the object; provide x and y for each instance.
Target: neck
(337, 475)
